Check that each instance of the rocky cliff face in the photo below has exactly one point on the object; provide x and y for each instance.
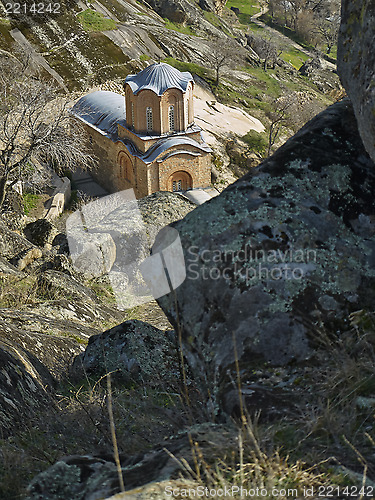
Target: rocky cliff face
(282, 253)
(356, 63)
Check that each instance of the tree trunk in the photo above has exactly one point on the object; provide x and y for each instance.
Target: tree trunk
(3, 190)
(217, 77)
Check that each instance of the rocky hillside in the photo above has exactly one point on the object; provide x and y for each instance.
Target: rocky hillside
(264, 377)
(88, 44)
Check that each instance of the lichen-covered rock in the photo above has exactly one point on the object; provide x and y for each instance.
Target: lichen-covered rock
(96, 478)
(23, 386)
(17, 249)
(41, 232)
(55, 352)
(133, 350)
(7, 268)
(318, 72)
(56, 284)
(284, 251)
(356, 64)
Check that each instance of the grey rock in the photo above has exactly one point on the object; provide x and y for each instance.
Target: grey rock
(54, 352)
(17, 249)
(133, 350)
(7, 268)
(41, 232)
(95, 477)
(208, 5)
(318, 72)
(294, 216)
(356, 64)
(23, 386)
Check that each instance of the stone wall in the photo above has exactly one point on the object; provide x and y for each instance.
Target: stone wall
(147, 179)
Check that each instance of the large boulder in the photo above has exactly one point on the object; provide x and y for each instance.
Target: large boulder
(17, 249)
(356, 64)
(135, 351)
(286, 251)
(121, 231)
(40, 232)
(95, 477)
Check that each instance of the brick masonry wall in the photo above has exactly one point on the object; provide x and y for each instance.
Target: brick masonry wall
(147, 178)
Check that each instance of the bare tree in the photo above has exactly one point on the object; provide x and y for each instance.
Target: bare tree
(267, 50)
(328, 28)
(222, 54)
(279, 116)
(35, 128)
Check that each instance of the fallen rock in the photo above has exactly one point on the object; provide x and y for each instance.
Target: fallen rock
(135, 351)
(278, 255)
(356, 64)
(41, 232)
(17, 249)
(95, 477)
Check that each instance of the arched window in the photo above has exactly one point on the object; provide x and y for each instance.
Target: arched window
(171, 118)
(187, 111)
(132, 109)
(177, 185)
(149, 119)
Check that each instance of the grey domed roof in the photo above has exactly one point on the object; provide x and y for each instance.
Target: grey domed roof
(102, 110)
(159, 77)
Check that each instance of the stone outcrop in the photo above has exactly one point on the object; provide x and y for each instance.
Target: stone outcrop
(95, 477)
(41, 232)
(134, 351)
(283, 252)
(52, 349)
(17, 249)
(107, 240)
(318, 71)
(356, 64)
(23, 385)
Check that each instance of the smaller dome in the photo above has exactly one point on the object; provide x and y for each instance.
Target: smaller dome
(159, 77)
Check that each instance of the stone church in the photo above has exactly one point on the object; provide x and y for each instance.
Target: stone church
(147, 140)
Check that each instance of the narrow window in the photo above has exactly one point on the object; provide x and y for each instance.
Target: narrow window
(171, 118)
(149, 119)
(133, 114)
(179, 185)
(174, 186)
(187, 111)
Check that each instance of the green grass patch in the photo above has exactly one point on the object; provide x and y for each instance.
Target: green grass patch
(191, 67)
(144, 57)
(30, 201)
(181, 28)
(246, 7)
(257, 142)
(255, 27)
(94, 21)
(294, 57)
(212, 18)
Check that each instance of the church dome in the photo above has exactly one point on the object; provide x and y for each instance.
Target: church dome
(159, 77)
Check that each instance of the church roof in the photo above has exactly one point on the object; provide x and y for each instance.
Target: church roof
(164, 144)
(159, 77)
(102, 110)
